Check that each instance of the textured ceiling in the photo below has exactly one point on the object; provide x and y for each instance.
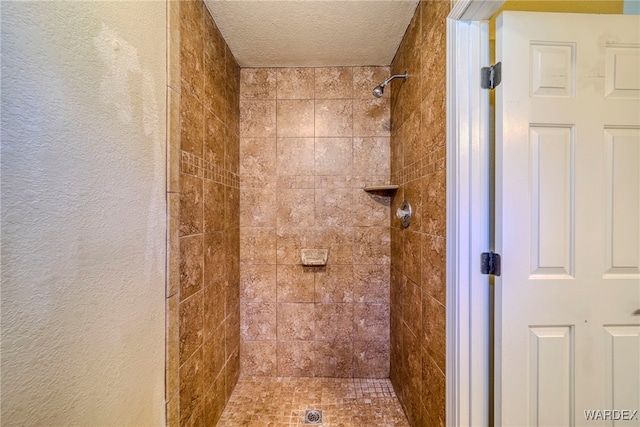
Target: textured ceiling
(312, 33)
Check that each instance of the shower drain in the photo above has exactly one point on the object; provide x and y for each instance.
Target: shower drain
(313, 416)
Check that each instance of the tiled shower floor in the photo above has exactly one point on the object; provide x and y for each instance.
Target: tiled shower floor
(345, 402)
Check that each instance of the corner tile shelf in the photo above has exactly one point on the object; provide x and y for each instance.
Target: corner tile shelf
(385, 189)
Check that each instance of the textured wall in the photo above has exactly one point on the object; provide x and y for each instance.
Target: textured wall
(418, 253)
(203, 315)
(83, 212)
(311, 139)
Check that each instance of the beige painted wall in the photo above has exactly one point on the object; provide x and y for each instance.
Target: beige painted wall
(83, 212)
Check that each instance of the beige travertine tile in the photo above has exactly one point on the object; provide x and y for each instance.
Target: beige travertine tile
(173, 409)
(232, 69)
(216, 92)
(214, 401)
(215, 258)
(295, 283)
(334, 359)
(232, 237)
(232, 152)
(412, 139)
(412, 307)
(214, 303)
(334, 181)
(371, 156)
(258, 358)
(258, 83)
(339, 241)
(333, 156)
(295, 358)
(232, 373)
(191, 265)
(191, 47)
(371, 359)
(333, 207)
(435, 198)
(345, 402)
(261, 181)
(295, 208)
(371, 117)
(257, 283)
(370, 210)
(334, 322)
(258, 245)
(232, 296)
(434, 266)
(258, 119)
(414, 375)
(258, 156)
(397, 248)
(213, 356)
(334, 284)
(296, 321)
(295, 83)
(295, 181)
(412, 256)
(173, 244)
(333, 117)
(191, 123)
(295, 118)
(174, 130)
(365, 79)
(371, 245)
(396, 146)
(290, 241)
(433, 325)
(172, 379)
(334, 82)
(434, 395)
(371, 283)
(191, 199)
(191, 321)
(213, 206)
(396, 202)
(371, 322)
(215, 136)
(213, 43)
(232, 207)
(258, 321)
(258, 207)
(191, 386)
(413, 194)
(295, 156)
(232, 340)
(173, 45)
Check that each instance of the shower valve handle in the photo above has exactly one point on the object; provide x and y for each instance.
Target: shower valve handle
(404, 213)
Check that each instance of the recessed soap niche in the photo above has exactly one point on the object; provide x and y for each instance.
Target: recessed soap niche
(314, 257)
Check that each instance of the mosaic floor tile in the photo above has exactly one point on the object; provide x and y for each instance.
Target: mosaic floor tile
(345, 402)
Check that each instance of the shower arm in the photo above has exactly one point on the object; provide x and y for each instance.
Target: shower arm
(397, 76)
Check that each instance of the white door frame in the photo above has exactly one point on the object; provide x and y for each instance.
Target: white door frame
(468, 323)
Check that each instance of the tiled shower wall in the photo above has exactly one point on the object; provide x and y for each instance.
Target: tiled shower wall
(310, 140)
(203, 305)
(418, 252)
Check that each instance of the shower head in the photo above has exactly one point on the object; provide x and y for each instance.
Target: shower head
(379, 90)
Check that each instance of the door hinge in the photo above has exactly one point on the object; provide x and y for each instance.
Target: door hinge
(490, 77)
(490, 263)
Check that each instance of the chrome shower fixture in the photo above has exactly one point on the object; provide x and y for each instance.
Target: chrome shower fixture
(377, 92)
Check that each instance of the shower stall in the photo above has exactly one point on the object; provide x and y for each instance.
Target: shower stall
(265, 163)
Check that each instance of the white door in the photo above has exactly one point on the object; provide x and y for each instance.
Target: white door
(568, 220)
